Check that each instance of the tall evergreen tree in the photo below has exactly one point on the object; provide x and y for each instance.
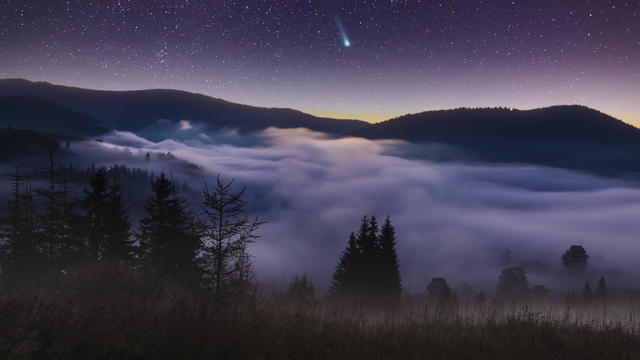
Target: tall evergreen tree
(168, 235)
(118, 245)
(50, 236)
(368, 267)
(70, 246)
(369, 270)
(345, 278)
(18, 244)
(95, 206)
(107, 226)
(390, 281)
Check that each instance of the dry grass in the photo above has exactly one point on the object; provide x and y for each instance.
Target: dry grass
(66, 322)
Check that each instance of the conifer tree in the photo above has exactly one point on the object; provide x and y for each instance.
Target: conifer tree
(107, 226)
(345, 279)
(50, 236)
(95, 207)
(70, 241)
(168, 236)
(368, 267)
(390, 281)
(369, 271)
(18, 245)
(118, 245)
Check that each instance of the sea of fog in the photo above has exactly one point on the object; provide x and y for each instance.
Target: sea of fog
(453, 220)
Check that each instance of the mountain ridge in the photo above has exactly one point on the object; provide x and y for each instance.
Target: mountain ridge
(137, 109)
(576, 121)
(566, 136)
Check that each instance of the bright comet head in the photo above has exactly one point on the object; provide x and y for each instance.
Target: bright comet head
(347, 43)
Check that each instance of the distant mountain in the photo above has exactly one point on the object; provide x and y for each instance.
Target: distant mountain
(136, 110)
(28, 112)
(574, 137)
(559, 122)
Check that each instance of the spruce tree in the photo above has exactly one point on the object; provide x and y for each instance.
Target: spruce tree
(168, 235)
(368, 267)
(95, 207)
(345, 278)
(70, 240)
(107, 226)
(118, 244)
(18, 232)
(50, 236)
(390, 281)
(370, 270)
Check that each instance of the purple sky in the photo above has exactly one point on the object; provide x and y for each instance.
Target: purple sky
(402, 56)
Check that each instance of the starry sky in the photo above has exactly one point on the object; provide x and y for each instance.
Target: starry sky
(367, 59)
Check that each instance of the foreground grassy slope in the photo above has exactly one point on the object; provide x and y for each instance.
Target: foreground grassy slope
(100, 317)
(42, 326)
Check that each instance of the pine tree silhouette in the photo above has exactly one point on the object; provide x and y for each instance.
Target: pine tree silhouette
(345, 277)
(368, 268)
(107, 226)
(50, 237)
(168, 235)
(118, 245)
(19, 234)
(391, 285)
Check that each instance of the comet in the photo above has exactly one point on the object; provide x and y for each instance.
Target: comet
(343, 33)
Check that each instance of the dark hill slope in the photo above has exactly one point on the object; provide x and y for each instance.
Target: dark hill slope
(574, 137)
(557, 122)
(28, 112)
(135, 110)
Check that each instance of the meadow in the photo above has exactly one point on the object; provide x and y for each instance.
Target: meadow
(104, 313)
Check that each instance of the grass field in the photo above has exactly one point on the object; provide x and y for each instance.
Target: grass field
(92, 323)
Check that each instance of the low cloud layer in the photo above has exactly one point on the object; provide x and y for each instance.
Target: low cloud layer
(452, 220)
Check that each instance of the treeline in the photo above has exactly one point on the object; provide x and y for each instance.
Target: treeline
(369, 267)
(49, 230)
(513, 285)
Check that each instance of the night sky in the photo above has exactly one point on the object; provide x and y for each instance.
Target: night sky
(359, 59)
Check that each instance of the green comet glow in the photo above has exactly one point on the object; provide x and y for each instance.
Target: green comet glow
(343, 34)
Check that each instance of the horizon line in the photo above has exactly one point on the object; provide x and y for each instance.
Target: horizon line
(324, 114)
